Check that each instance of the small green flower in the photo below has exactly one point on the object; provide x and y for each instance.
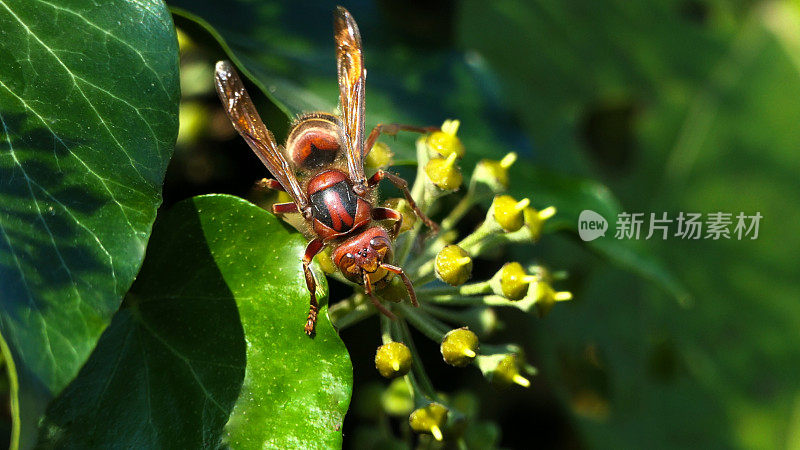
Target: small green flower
(398, 398)
(325, 261)
(482, 434)
(534, 220)
(402, 206)
(445, 142)
(546, 297)
(466, 403)
(507, 372)
(493, 174)
(393, 359)
(514, 281)
(459, 347)
(367, 404)
(453, 265)
(444, 173)
(430, 419)
(508, 212)
(380, 157)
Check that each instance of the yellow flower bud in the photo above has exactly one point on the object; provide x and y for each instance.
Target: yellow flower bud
(444, 173)
(494, 173)
(325, 261)
(514, 281)
(508, 212)
(445, 142)
(394, 290)
(459, 347)
(402, 206)
(398, 398)
(393, 359)
(534, 220)
(430, 419)
(453, 265)
(507, 372)
(380, 157)
(546, 297)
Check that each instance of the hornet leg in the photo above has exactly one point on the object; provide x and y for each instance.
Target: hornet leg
(399, 271)
(285, 208)
(268, 183)
(403, 186)
(312, 249)
(391, 129)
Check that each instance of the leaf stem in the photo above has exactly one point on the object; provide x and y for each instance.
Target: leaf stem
(484, 231)
(467, 300)
(350, 311)
(425, 385)
(473, 317)
(13, 403)
(386, 329)
(353, 317)
(426, 324)
(418, 194)
(463, 206)
(479, 288)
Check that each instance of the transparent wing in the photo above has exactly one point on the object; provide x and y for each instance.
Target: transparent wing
(352, 77)
(248, 123)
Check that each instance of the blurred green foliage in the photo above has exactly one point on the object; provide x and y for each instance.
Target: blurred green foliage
(701, 102)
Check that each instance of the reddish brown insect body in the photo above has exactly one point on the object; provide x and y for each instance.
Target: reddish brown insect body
(337, 209)
(315, 140)
(325, 177)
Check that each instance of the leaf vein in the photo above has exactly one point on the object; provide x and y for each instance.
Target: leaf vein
(112, 35)
(75, 80)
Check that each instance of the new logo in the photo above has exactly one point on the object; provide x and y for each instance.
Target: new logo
(591, 225)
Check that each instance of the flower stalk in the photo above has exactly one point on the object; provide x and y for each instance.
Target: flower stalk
(440, 269)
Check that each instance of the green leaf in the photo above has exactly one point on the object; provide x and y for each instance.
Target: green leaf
(169, 369)
(88, 119)
(297, 389)
(165, 373)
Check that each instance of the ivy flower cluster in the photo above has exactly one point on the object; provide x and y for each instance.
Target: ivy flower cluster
(455, 312)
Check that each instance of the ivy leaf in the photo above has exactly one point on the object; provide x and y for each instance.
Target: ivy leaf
(88, 118)
(296, 389)
(168, 371)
